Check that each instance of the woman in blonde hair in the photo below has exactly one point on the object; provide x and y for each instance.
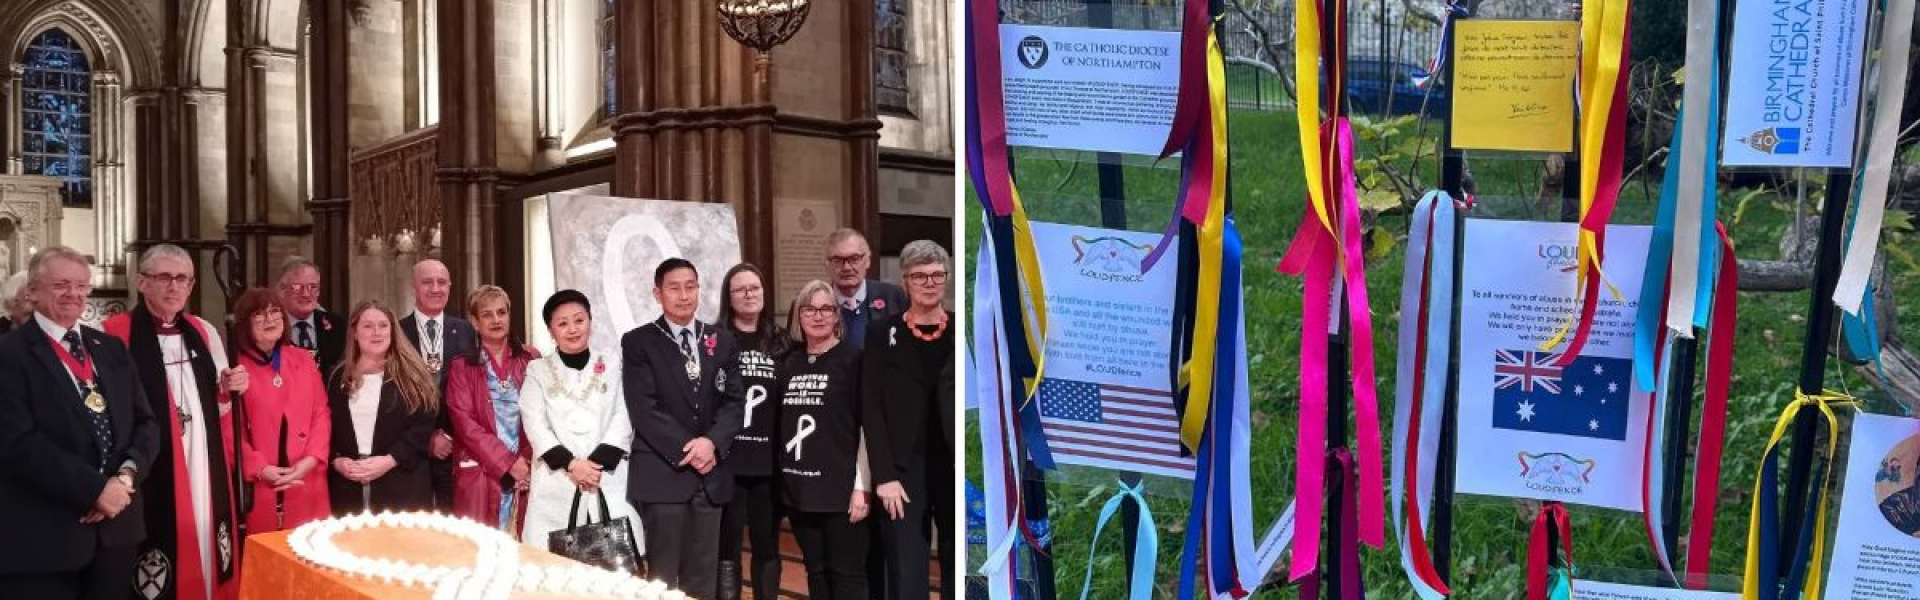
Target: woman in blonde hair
(490, 454)
(823, 463)
(384, 407)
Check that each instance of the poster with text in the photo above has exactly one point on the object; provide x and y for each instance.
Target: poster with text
(1513, 84)
(1098, 90)
(1876, 553)
(1793, 86)
(1598, 590)
(1106, 398)
(1541, 429)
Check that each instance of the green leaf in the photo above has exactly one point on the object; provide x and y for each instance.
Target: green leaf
(1379, 200)
(1380, 243)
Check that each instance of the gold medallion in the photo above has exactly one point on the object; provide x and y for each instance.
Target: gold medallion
(96, 402)
(276, 380)
(433, 364)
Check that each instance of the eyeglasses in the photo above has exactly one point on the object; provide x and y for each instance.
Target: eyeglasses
(746, 290)
(818, 311)
(269, 315)
(847, 260)
(935, 278)
(169, 279)
(67, 287)
(305, 288)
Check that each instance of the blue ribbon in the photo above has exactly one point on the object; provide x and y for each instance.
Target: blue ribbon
(1222, 556)
(1146, 545)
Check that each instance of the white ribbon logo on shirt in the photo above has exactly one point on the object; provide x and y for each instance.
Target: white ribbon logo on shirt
(805, 428)
(756, 396)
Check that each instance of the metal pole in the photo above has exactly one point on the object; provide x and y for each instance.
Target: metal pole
(1813, 360)
(1452, 171)
(1333, 22)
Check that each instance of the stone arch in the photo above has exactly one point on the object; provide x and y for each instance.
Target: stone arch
(106, 30)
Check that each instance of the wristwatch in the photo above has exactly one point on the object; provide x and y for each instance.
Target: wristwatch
(125, 476)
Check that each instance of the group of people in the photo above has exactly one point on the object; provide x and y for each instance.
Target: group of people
(117, 444)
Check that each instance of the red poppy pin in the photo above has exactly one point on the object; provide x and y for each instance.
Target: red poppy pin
(599, 366)
(710, 342)
(879, 304)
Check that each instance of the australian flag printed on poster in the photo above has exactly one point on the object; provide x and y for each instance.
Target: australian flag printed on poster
(1587, 398)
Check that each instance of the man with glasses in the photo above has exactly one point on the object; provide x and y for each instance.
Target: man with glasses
(862, 301)
(79, 437)
(685, 413)
(314, 329)
(192, 534)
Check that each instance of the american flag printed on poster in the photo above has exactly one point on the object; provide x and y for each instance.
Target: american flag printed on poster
(1587, 398)
(1115, 427)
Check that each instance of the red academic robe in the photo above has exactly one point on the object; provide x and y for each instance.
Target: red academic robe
(189, 584)
(300, 399)
(479, 457)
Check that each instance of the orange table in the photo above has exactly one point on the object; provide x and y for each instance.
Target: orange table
(272, 572)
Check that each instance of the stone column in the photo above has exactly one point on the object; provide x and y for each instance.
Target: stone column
(467, 163)
(327, 106)
(633, 48)
(14, 134)
(112, 210)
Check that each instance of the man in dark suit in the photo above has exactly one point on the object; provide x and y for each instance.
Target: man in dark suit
(862, 301)
(315, 329)
(76, 438)
(439, 337)
(685, 413)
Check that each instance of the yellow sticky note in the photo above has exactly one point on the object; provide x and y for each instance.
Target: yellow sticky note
(1513, 85)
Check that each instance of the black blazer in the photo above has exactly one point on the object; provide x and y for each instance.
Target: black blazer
(667, 411)
(331, 339)
(900, 397)
(49, 477)
(396, 433)
(458, 339)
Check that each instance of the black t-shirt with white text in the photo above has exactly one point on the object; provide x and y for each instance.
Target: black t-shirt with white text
(752, 451)
(819, 439)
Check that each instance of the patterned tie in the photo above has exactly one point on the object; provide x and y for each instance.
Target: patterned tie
(305, 339)
(102, 424)
(73, 346)
(686, 343)
(433, 332)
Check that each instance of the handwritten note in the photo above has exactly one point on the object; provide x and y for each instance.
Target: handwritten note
(1513, 85)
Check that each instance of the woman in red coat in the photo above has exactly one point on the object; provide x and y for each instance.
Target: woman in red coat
(288, 423)
(491, 453)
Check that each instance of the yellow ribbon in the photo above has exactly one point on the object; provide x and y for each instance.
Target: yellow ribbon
(1603, 26)
(1206, 321)
(1306, 72)
(1825, 402)
(1027, 258)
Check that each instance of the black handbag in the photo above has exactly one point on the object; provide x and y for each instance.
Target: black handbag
(608, 544)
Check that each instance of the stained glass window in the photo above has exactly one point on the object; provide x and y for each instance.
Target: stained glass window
(607, 60)
(890, 57)
(56, 113)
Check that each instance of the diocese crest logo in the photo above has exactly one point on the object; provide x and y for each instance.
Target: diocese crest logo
(1033, 52)
(1774, 140)
(1109, 258)
(1556, 472)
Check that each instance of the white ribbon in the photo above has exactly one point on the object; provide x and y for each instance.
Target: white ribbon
(1692, 160)
(1435, 212)
(756, 396)
(1896, 36)
(805, 428)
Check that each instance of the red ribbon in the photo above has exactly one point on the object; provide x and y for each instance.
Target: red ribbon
(1713, 416)
(81, 367)
(1552, 515)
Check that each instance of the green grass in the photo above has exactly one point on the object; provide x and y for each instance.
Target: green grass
(1490, 533)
